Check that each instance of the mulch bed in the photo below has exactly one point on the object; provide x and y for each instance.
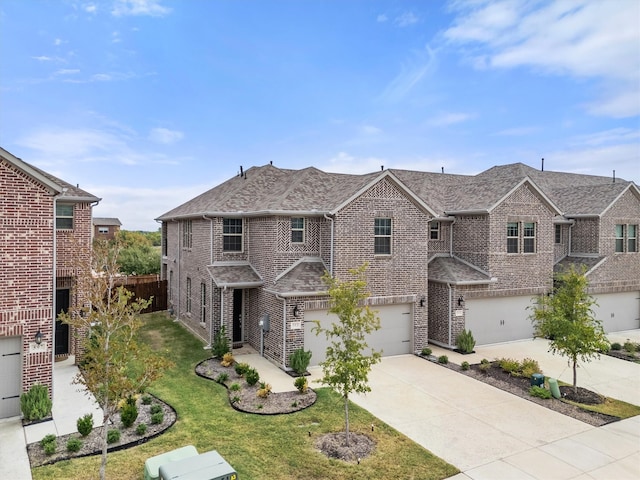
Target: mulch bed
(624, 355)
(520, 386)
(246, 399)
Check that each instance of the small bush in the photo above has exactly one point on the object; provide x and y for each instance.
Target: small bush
(443, 359)
(50, 438)
(235, 399)
(235, 387)
(50, 448)
(485, 365)
(141, 429)
(465, 341)
(629, 347)
(540, 392)
(220, 343)
(252, 376)
(465, 366)
(36, 404)
(128, 414)
(85, 424)
(157, 418)
(264, 390)
(227, 359)
(529, 366)
(616, 346)
(241, 368)
(301, 384)
(147, 399)
(74, 445)
(113, 435)
(299, 360)
(510, 366)
(155, 408)
(294, 404)
(222, 377)
(426, 351)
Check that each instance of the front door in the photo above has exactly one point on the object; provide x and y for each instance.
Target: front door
(62, 329)
(237, 316)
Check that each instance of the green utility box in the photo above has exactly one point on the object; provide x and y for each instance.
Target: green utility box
(153, 464)
(206, 466)
(537, 379)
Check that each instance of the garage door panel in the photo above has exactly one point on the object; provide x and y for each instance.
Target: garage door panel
(393, 337)
(10, 376)
(496, 320)
(618, 311)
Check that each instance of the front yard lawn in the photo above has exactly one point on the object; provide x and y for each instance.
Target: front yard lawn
(257, 446)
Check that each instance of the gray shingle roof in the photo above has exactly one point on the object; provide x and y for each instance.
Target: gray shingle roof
(577, 262)
(234, 274)
(455, 271)
(302, 278)
(105, 221)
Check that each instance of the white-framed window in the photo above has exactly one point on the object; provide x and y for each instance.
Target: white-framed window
(620, 238)
(558, 234)
(382, 236)
(64, 216)
(232, 234)
(187, 234)
(513, 237)
(529, 237)
(188, 295)
(626, 237)
(297, 230)
(434, 231)
(632, 238)
(203, 302)
(103, 230)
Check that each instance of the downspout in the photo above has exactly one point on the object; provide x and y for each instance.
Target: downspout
(210, 289)
(224, 289)
(451, 237)
(331, 245)
(450, 316)
(54, 303)
(570, 230)
(179, 306)
(284, 331)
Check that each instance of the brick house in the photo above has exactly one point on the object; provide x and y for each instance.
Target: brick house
(41, 217)
(105, 228)
(445, 252)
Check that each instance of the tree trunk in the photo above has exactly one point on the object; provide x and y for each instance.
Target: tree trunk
(346, 416)
(103, 464)
(575, 376)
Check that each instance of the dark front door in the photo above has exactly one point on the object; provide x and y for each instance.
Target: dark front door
(62, 329)
(237, 316)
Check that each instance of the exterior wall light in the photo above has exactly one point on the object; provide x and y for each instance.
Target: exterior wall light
(460, 301)
(422, 301)
(38, 337)
(296, 311)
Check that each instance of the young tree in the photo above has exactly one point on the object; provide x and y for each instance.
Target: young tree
(136, 253)
(347, 366)
(566, 318)
(114, 364)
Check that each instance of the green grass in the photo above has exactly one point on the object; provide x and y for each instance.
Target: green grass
(256, 446)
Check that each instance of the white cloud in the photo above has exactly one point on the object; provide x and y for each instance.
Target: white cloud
(58, 41)
(115, 37)
(382, 18)
(518, 131)
(165, 136)
(406, 19)
(67, 71)
(411, 74)
(370, 130)
(90, 8)
(582, 39)
(600, 160)
(344, 162)
(151, 8)
(449, 118)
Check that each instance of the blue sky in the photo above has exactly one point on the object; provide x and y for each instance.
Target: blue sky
(147, 103)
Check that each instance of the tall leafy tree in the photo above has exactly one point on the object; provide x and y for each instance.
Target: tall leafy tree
(567, 319)
(137, 254)
(115, 365)
(348, 361)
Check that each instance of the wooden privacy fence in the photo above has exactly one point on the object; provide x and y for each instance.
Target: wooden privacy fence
(156, 289)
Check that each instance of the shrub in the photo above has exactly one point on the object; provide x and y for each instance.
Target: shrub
(147, 399)
(465, 366)
(50, 447)
(157, 418)
(113, 435)
(465, 341)
(241, 368)
(128, 414)
(50, 438)
(485, 365)
(629, 347)
(220, 343)
(529, 366)
(540, 392)
(264, 390)
(426, 351)
(443, 359)
(141, 429)
(235, 387)
(155, 408)
(301, 384)
(299, 360)
(510, 366)
(235, 399)
(74, 444)
(252, 376)
(85, 424)
(36, 404)
(616, 346)
(222, 377)
(227, 359)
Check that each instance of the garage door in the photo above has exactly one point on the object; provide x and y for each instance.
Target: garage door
(393, 338)
(10, 376)
(618, 311)
(496, 320)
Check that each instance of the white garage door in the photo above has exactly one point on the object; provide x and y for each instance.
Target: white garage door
(10, 376)
(393, 338)
(495, 320)
(618, 311)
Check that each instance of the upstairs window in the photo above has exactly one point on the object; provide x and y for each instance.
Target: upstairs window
(297, 230)
(619, 238)
(232, 235)
(632, 238)
(512, 237)
(103, 230)
(529, 238)
(64, 216)
(558, 233)
(382, 236)
(434, 231)
(187, 234)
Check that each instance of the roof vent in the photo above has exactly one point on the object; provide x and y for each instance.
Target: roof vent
(543, 164)
(442, 168)
(614, 176)
(381, 167)
(240, 170)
